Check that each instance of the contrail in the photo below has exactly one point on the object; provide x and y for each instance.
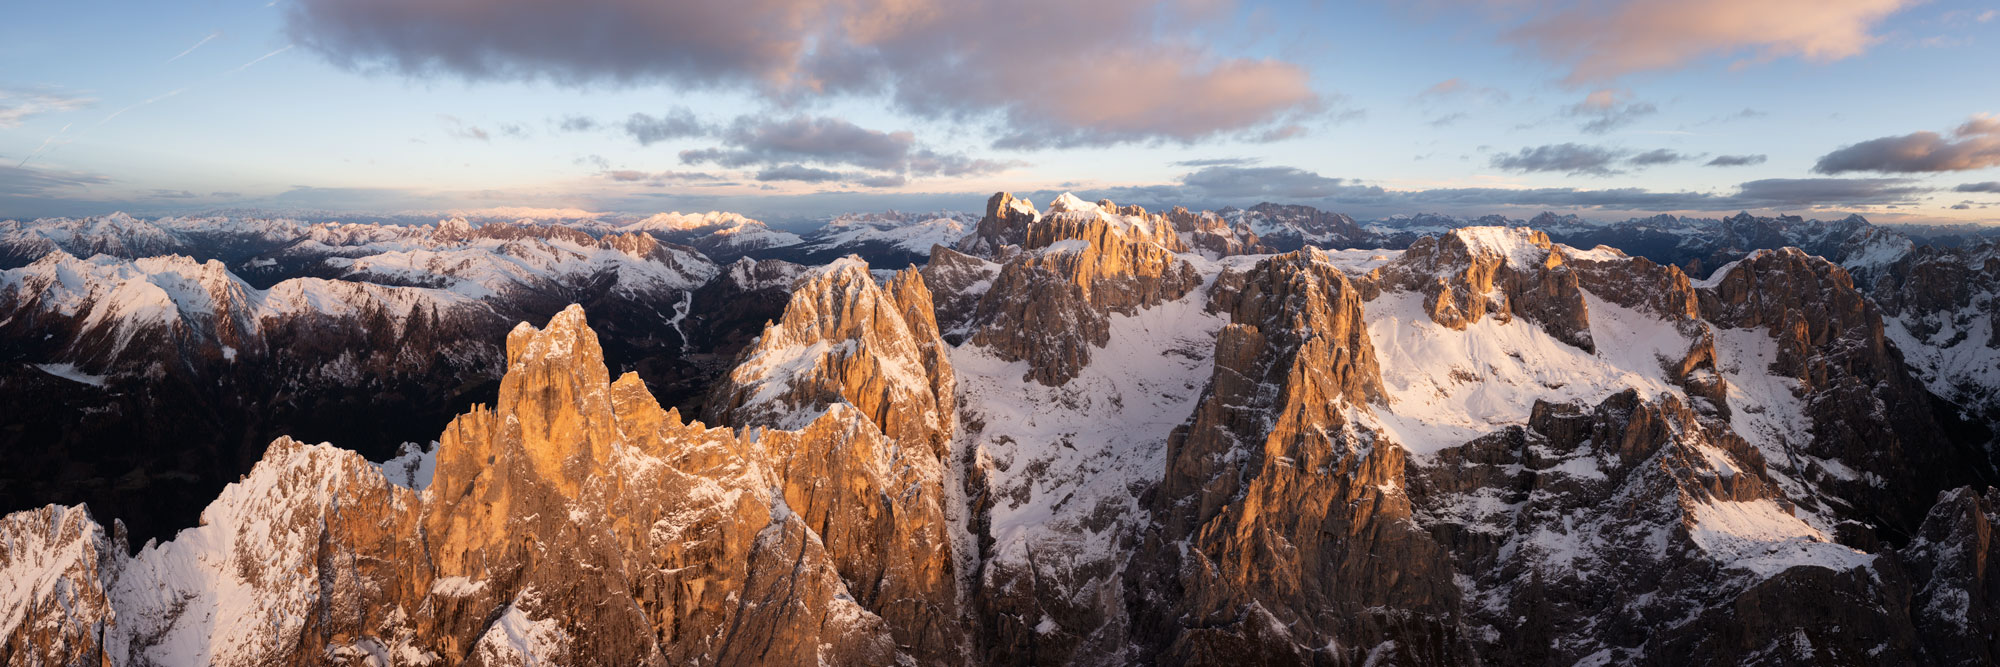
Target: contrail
(261, 58)
(155, 98)
(45, 144)
(197, 45)
(52, 140)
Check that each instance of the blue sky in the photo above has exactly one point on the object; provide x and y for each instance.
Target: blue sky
(1607, 108)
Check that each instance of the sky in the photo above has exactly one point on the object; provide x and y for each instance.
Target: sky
(792, 110)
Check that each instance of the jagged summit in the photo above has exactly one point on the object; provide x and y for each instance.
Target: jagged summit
(1063, 272)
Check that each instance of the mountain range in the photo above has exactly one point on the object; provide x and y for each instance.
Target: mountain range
(1079, 433)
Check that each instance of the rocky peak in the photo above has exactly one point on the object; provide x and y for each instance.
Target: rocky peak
(53, 607)
(1809, 302)
(453, 231)
(1831, 339)
(1952, 568)
(1005, 223)
(846, 338)
(1048, 305)
(1282, 511)
(1213, 235)
(1072, 219)
(1501, 272)
(555, 396)
(1541, 522)
(857, 404)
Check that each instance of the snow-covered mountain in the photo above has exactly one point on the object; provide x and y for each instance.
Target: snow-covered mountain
(888, 239)
(1089, 434)
(722, 236)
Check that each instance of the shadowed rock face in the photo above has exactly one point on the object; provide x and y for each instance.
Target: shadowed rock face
(1830, 339)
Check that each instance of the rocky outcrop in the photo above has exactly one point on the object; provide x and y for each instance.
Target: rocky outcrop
(1048, 306)
(1005, 224)
(1288, 227)
(1476, 272)
(53, 608)
(1830, 338)
(1214, 236)
(845, 338)
(573, 521)
(1638, 532)
(1284, 530)
(1956, 597)
(876, 486)
(1663, 291)
(958, 282)
(1942, 307)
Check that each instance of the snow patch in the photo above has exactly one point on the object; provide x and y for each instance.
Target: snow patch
(1449, 387)
(70, 372)
(1764, 539)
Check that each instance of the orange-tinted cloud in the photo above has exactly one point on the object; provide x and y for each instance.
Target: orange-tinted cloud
(1606, 40)
(1973, 145)
(1053, 72)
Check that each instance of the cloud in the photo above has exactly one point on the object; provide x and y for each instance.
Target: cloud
(1262, 182)
(1973, 145)
(17, 105)
(784, 145)
(1603, 41)
(1609, 109)
(458, 128)
(1567, 158)
(574, 123)
(925, 162)
(1772, 192)
(798, 172)
(35, 182)
(1151, 76)
(1455, 88)
(1447, 119)
(657, 178)
(1655, 157)
(829, 141)
(1736, 160)
(1217, 162)
(1988, 186)
(677, 123)
(1244, 185)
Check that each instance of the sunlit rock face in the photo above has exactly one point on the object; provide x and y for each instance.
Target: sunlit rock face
(859, 366)
(574, 521)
